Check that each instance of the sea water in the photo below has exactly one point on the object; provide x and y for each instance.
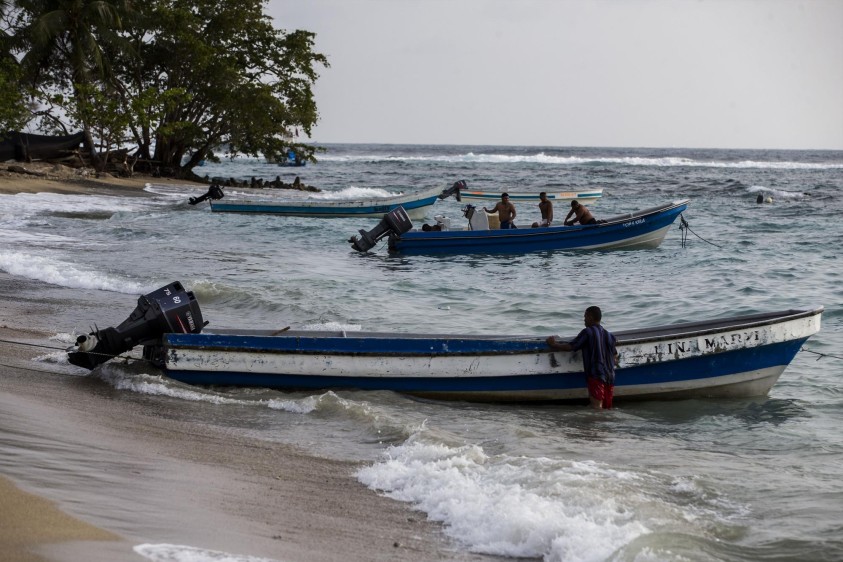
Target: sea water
(754, 479)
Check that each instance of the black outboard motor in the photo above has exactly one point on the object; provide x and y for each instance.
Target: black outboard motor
(170, 309)
(214, 192)
(394, 222)
(454, 190)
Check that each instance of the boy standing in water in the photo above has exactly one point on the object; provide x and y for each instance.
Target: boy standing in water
(599, 357)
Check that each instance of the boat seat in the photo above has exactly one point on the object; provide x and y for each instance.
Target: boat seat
(479, 220)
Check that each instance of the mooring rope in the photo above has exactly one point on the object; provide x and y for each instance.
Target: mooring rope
(684, 226)
(125, 357)
(821, 355)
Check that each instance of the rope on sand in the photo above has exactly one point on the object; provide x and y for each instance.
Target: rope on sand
(42, 346)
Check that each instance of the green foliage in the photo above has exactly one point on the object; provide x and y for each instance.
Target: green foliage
(247, 86)
(179, 78)
(100, 110)
(14, 112)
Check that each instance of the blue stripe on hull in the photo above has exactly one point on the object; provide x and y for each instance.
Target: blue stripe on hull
(694, 368)
(395, 347)
(312, 210)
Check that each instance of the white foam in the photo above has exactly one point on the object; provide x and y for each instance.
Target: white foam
(28, 204)
(63, 273)
(182, 553)
(353, 193)
(775, 192)
(542, 158)
(507, 506)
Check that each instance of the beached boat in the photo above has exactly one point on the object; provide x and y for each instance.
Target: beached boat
(631, 231)
(415, 204)
(741, 356)
(585, 196)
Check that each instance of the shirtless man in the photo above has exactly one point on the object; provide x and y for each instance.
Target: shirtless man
(583, 215)
(505, 211)
(546, 208)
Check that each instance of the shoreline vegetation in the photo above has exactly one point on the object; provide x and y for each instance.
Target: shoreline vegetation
(177, 482)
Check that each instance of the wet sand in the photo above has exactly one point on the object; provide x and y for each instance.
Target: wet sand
(110, 470)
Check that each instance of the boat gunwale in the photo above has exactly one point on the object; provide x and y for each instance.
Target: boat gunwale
(624, 338)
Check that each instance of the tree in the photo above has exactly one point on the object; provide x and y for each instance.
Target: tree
(213, 73)
(64, 43)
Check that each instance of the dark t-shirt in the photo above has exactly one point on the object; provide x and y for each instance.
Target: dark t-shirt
(598, 352)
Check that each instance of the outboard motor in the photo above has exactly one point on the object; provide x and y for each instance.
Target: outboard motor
(170, 309)
(394, 222)
(454, 190)
(214, 192)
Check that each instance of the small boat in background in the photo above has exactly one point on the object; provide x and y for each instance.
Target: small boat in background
(741, 356)
(631, 231)
(415, 205)
(585, 196)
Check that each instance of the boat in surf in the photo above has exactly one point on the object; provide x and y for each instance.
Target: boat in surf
(735, 357)
(415, 204)
(642, 229)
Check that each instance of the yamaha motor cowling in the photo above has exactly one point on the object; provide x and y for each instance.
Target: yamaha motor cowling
(395, 222)
(214, 192)
(170, 309)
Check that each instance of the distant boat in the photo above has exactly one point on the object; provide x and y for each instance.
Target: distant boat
(740, 356)
(585, 196)
(416, 205)
(638, 230)
(292, 159)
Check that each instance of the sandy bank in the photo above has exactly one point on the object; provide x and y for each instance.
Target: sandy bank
(55, 178)
(141, 468)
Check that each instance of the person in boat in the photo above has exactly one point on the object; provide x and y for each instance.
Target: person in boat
(599, 357)
(581, 215)
(546, 208)
(505, 210)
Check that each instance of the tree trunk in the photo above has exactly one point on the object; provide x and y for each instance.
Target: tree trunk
(92, 151)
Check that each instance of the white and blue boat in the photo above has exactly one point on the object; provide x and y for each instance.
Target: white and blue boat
(415, 204)
(642, 229)
(741, 356)
(589, 196)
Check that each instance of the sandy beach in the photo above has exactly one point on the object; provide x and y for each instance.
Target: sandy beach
(89, 472)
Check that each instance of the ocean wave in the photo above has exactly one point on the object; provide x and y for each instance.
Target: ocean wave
(539, 507)
(542, 158)
(65, 274)
(780, 193)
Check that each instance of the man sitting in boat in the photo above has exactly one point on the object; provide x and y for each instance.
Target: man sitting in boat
(546, 208)
(599, 357)
(505, 211)
(583, 215)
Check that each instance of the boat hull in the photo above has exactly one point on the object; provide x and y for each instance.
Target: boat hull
(642, 230)
(737, 357)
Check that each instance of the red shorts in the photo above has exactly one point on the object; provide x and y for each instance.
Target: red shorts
(600, 390)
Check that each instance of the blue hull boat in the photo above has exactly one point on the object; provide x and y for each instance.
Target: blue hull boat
(416, 205)
(734, 357)
(639, 230)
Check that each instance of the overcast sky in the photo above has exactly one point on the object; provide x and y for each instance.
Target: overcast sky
(631, 73)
